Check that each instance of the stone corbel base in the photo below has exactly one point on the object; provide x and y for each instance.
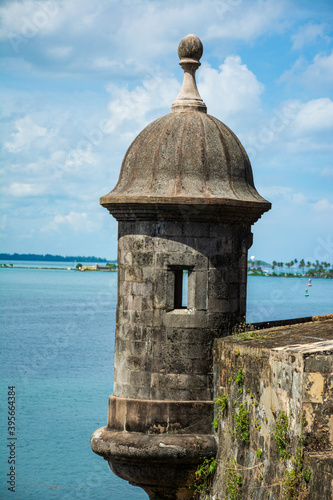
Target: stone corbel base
(163, 465)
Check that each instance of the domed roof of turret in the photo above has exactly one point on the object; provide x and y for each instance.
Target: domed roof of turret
(187, 157)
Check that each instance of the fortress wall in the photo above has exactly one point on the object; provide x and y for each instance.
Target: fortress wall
(276, 433)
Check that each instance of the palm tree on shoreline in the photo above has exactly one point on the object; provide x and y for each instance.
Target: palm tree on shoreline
(302, 265)
(316, 269)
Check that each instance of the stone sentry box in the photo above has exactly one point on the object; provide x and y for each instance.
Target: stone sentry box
(185, 201)
(164, 351)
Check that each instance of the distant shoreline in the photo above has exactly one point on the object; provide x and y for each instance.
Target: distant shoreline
(281, 275)
(289, 275)
(31, 257)
(292, 269)
(5, 266)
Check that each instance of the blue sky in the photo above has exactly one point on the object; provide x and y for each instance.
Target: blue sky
(82, 78)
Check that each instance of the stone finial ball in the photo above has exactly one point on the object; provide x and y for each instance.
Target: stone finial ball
(190, 47)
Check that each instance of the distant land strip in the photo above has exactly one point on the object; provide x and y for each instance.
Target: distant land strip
(51, 258)
(292, 269)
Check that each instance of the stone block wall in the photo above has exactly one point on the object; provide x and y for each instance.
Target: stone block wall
(276, 430)
(163, 353)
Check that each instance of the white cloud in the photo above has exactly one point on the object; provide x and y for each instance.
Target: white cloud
(295, 126)
(106, 63)
(134, 107)
(318, 74)
(299, 198)
(22, 189)
(75, 221)
(314, 115)
(283, 192)
(308, 34)
(105, 34)
(323, 206)
(230, 89)
(246, 21)
(24, 20)
(81, 155)
(60, 52)
(285, 196)
(27, 132)
(320, 71)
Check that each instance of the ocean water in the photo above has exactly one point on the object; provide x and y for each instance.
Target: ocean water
(272, 298)
(57, 348)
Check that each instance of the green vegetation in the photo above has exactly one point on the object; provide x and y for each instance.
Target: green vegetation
(254, 334)
(221, 406)
(281, 434)
(204, 475)
(50, 258)
(256, 423)
(307, 475)
(109, 266)
(244, 331)
(112, 266)
(289, 485)
(239, 376)
(233, 481)
(294, 478)
(296, 269)
(242, 421)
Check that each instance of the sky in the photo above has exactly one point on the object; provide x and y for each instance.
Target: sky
(81, 78)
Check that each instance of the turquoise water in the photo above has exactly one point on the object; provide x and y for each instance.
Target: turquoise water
(271, 298)
(57, 349)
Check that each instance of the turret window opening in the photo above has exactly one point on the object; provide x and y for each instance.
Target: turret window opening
(181, 288)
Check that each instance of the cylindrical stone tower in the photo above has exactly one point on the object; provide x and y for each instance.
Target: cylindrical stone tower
(185, 202)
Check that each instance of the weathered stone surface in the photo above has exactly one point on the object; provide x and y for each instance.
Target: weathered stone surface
(139, 458)
(146, 286)
(321, 481)
(214, 169)
(160, 417)
(168, 447)
(289, 373)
